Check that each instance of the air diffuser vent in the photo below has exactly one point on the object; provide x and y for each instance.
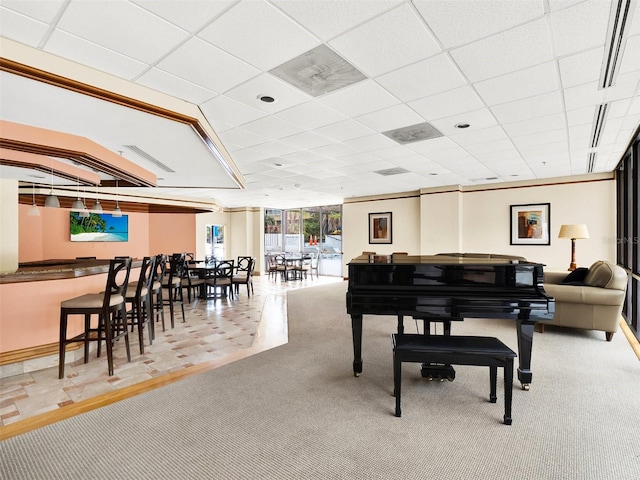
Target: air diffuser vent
(137, 150)
(591, 162)
(413, 133)
(620, 17)
(391, 171)
(318, 71)
(598, 124)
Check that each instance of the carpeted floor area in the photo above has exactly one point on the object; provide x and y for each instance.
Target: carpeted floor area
(297, 412)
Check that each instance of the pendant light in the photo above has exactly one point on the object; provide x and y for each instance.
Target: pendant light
(116, 211)
(78, 205)
(51, 200)
(33, 211)
(84, 213)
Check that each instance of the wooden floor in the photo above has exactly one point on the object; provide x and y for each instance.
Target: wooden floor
(215, 333)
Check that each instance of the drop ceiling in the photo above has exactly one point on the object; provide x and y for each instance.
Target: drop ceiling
(523, 75)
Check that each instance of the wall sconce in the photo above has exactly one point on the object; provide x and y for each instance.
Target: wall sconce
(573, 232)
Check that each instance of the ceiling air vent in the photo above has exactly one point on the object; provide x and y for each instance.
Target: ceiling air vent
(620, 17)
(318, 71)
(598, 124)
(592, 162)
(137, 150)
(391, 171)
(413, 133)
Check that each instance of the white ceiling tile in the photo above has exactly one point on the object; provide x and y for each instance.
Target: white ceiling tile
(334, 150)
(345, 130)
(505, 52)
(392, 153)
(229, 112)
(583, 96)
(21, 28)
(580, 27)
(399, 36)
(580, 116)
(311, 115)
(259, 34)
(458, 100)
(360, 98)
(631, 58)
(306, 140)
(190, 15)
(470, 136)
(553, 136)
(390, 118)
(357, 159)
(477, 119)
(186, 61)
(535, 125)
(432, 145)
(581, 68)
(275, 149)
(540, 106)
(122, 27)
(272, 127)
(41, 10)
(330, 18)
(286, 96)
(242, 137)
(174, 86)
(428, 77)
(456, 23)
(525, 83)
(371, 142)
(479, 149)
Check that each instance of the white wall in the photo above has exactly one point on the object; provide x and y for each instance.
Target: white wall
(8, 225)
(478, 220)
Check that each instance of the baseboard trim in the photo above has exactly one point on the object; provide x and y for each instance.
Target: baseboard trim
(633, 341)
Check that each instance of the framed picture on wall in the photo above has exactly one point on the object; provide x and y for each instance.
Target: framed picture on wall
(530, 224)
(380, 227)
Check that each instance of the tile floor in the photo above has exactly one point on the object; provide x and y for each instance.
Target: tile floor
(213, 329)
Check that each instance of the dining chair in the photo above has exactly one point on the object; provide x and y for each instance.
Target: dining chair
(282, 266)
(172, 284)
(244, 274)
(220, 278)
(109, 306)
(139, 296)
(272, 266)
(191, 282)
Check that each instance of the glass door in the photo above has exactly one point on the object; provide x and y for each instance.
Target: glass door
(214, 244)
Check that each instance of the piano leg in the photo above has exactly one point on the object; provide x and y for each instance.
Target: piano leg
(525, 340)
(356, 330)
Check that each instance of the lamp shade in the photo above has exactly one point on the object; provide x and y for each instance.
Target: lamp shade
(78, 206)
(52, 201)
(573, 231)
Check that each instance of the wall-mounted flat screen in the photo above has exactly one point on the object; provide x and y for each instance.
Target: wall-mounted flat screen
(99, 227)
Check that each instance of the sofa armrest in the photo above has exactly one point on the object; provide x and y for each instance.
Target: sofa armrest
(584, 294)
(554, 276)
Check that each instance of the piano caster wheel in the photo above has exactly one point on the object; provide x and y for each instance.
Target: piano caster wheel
(525, 386)
(356, 374)
(451, 379)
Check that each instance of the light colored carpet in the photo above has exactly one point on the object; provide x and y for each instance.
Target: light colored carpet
(297, 412)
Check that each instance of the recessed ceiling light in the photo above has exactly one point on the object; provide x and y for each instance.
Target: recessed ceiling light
(35, 175)
(266, 98)
(277, 164)
(462, 125)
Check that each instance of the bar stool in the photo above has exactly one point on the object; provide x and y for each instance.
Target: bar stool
(157, 302)
(139, 296)
(172, 283)
(110, 306)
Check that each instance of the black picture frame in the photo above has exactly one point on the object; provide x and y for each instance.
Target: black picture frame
(380, 228)
(530, 224)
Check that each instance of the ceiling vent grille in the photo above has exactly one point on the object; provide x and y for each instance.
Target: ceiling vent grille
(413, 133)
(391, 171)
(619, 20)
(592, 162)
(137, 150)
(598, 124)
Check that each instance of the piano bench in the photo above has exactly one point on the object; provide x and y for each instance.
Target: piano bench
(455, 350)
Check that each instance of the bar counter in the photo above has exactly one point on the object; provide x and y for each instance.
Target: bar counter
(30, 302)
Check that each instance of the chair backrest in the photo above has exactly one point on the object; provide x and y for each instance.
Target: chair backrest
(176, 265)
(224, 268)
(146, 277)
(160, 268)
(117, 279)
(280, 259)
(244, 263)
(209, 259)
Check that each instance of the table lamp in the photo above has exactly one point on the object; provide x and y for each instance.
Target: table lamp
(573, 232)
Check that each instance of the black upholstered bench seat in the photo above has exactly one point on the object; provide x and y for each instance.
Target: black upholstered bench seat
(455, 350)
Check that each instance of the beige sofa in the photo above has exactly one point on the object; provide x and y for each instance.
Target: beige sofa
(594, 302)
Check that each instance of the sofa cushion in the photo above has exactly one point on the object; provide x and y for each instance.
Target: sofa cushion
(606, 275)
(576, 277)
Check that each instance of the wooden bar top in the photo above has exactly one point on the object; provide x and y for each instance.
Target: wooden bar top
(58, 269)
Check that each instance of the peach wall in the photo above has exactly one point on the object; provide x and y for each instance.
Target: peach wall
(172, 233)
(47, 237)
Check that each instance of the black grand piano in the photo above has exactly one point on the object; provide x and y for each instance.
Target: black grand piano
(443, 288)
